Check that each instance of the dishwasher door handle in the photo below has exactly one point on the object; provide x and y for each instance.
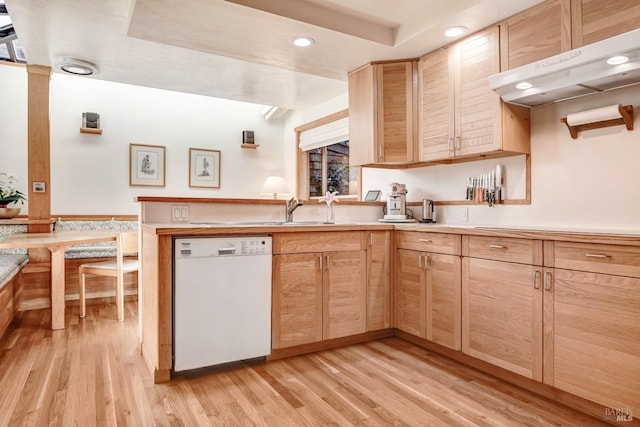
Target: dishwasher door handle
(226, 251)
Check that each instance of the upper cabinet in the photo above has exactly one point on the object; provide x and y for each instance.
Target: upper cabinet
(536, 33)
(383, 113)
(595, 20)
(460, 117)
(556, 26)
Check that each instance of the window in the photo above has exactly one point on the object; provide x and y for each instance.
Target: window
(323, 161)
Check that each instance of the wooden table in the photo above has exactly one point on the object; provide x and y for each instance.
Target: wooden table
(56, 242)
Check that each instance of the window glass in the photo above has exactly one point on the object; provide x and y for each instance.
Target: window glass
(338, 176)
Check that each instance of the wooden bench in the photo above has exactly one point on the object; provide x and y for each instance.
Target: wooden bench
(11, 263)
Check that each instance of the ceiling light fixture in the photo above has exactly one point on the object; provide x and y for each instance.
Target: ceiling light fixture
(303, 41)
(617, 60)
(455, 31)
(77, 67)
(524, 85)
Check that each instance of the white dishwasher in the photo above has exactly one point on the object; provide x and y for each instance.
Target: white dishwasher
(221, 300)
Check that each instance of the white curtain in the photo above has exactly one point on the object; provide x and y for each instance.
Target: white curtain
(327, 134)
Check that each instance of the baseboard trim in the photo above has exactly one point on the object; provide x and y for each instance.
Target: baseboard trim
(328, 344)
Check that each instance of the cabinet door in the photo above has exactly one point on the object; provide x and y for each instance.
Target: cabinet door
(538, 33)
(363, 136)
(396, 111)
(595, 20)
(297, 300)
(378, 274)
(436, 106)
(596, 337)
(502, 315)
(443, 311)
(410, 293)
(478, 125)
(345, 294)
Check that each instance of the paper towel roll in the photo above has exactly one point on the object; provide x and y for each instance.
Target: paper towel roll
(601, 114)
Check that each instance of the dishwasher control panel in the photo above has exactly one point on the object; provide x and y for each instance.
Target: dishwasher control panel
(197, 247)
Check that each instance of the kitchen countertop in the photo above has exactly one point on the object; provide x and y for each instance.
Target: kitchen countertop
(625, 237)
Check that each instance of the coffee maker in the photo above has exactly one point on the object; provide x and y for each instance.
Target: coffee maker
(396, 202)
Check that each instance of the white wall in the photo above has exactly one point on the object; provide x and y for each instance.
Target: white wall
(13, 125)
(587, 183)
(590, 182)
(90, 173)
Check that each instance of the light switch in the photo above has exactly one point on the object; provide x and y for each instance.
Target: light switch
(175, 213)
(184, 213)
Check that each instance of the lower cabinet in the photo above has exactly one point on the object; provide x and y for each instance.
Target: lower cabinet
(428, 296)
(318, 295)
(592, 323)
(378, 280)
(502, 314)
(297, 300)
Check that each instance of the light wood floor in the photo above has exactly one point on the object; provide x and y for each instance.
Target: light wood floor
(92, 374)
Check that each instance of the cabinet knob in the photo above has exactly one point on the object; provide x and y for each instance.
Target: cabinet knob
(450, 144)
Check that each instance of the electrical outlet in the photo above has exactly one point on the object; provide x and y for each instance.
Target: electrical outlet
(463, 214)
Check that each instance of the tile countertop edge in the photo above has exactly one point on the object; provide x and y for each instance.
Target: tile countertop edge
(587, 236)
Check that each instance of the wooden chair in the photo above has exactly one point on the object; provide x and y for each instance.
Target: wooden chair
(126, 243)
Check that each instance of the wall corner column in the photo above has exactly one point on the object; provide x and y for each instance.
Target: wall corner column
(38, 142)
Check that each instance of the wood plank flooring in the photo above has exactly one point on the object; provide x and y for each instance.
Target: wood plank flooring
(91, 373)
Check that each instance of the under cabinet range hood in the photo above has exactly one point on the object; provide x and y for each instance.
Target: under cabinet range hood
(607, 64)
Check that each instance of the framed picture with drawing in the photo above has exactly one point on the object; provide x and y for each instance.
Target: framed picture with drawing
(204, 168)
(146, 165)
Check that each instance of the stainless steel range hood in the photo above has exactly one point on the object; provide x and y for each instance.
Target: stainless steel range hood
(578, 72)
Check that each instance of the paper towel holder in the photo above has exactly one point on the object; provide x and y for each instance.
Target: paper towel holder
(625, 118)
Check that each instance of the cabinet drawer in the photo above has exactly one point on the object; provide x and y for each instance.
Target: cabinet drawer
(428, 242)
(509, 249)
(305, 242)
(597, 258)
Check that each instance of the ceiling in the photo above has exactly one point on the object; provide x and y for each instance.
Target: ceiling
(241, 49)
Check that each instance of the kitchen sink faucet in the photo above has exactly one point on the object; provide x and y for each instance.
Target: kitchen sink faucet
(291, 206)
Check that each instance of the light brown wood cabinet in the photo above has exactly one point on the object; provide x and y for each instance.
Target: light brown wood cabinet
(460, 117)
(595, 20)
(383, 113)
(428, 287)
(297, 300)
(537, 33)
(378, 280)
(557, 26)
(502, 303)
(592, 322)
(318, 295)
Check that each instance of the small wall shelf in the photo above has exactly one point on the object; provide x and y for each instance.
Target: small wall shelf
(254, 146)
(91, 130)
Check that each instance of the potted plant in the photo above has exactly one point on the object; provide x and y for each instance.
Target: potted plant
(8, 195)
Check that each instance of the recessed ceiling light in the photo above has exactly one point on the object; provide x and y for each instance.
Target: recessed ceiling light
(455, 31)
(303, 41)
(78, 67)
(617, 60)
(524, 85)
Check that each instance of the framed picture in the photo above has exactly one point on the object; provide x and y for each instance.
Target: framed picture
(146, 165)
(372, 195)
(204, 168)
